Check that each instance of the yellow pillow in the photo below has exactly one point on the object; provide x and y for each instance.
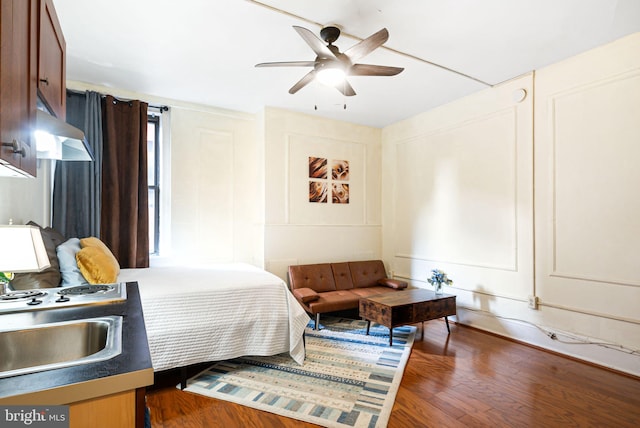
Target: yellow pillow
(96, 262)
(92, 241)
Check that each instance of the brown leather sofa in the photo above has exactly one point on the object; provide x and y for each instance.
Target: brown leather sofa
(330, 287)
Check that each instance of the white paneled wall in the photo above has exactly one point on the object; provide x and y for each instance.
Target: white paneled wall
(202, 191)
(528, 197)
(587, 181)
(460, 186)
(216, 187)
(298, 231)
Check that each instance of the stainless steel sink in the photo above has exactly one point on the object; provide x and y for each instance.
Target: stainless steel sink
(61, 344)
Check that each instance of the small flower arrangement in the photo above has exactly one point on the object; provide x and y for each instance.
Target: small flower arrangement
(438, 278)
(5, 279)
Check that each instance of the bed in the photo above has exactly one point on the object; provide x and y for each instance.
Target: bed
(201, 314)
(192, 314)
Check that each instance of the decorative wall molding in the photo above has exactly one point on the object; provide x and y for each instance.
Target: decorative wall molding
(508, 117)
(203, 172)
(480, 118)
(588, 89)
(513, 268)
(356, 152)
(602, 280)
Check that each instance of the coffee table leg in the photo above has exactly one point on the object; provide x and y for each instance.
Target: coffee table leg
(422, 331)
(368, 326)
(446, 319)
(391, 336)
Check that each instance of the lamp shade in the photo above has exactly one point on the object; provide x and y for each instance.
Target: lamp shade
(22, 249)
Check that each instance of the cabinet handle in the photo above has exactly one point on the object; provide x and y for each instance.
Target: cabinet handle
(45, 81)
(15, 145)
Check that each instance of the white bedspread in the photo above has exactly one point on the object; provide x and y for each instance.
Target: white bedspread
(214, 313)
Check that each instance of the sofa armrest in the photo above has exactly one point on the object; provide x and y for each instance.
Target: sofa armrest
(305, 295)
(393, 283)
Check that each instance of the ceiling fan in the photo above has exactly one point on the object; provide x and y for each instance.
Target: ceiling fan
(331, 66)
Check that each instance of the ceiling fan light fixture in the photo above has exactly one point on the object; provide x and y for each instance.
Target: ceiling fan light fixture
(331, 76)
(331, 67)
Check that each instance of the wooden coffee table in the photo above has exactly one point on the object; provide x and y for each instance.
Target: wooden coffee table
(407, 307)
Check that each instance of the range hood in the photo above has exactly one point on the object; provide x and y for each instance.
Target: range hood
(56, 139)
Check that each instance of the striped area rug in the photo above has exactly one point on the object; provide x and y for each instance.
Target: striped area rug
(348, 379)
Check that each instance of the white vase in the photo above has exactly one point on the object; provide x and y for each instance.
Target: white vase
(437, 287)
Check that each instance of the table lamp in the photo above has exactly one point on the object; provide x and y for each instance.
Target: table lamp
(21, 250)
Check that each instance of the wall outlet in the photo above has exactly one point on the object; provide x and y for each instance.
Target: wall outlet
(533, 302)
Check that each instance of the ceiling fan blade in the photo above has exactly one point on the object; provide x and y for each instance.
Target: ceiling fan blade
(306, 79)
(368, 45)
(287, 64)
(314, 42)
(345, 88)
(373, 70)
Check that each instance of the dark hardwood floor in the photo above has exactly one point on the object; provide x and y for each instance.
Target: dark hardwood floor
(467, 379)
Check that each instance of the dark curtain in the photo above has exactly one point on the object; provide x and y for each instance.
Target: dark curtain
(125, 212)
(77, 186)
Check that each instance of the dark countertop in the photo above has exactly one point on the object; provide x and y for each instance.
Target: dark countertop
(129, 370)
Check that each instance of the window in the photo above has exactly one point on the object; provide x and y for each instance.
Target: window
(153, 171)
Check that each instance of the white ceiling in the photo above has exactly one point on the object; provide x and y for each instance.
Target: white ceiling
(204, 51)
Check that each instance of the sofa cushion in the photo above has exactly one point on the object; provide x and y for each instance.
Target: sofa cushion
(342, 276)
(367, 273)
(318, 277)
(334, 301)
(372, 291)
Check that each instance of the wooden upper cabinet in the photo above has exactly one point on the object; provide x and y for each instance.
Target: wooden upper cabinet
(32, 64)
(51, 60)
(18, 55)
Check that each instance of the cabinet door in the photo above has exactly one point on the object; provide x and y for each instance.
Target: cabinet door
(51, 60)
(17, 83)
(116, 410)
